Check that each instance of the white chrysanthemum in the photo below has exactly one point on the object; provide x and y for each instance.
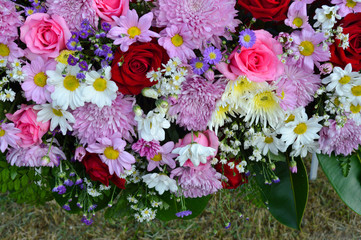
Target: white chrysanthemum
(268, 141)
(326, 16)
(302, 150)
(300, 131)
(220, 115)
(160, 182)
(341, 79)
(100, 90)
(353, 93)
(58, 117)
(68, 91)
(152, 126)
(194, 152)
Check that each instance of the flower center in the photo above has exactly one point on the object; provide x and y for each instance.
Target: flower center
(71, 83)
(268, 140)
(344, 79)
(337, 102)
(301, 128)
(100, 84)
(307, 48)
(110, 153)
(133, 31)
(199, 65)
(329, 15)
(40, 79)
(212, 55)
(298, 22)
(290, 118)
(356, 91)
(247, 38)
(351, 3)
(2, 132)
(265, 100)
(355, 109)
(157, 157)
(4, 50)
(177, 40)
(57, 112)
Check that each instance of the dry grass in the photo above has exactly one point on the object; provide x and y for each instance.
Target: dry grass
(326, 217)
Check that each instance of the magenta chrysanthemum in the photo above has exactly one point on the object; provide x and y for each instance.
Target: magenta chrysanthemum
(10, 21)
(93, 122)
(197, 102)
(73, 12)
(146, 149)
(340, 140)
(206, 19)
(198, 182)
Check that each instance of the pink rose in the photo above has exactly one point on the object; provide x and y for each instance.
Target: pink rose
(45, 35)
(207, 138)
(31, 130)
(107, 8)
(259, 63)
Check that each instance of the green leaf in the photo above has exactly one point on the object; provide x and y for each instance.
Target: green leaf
(4, 188)
(5, 175)
(10, 185)
(13, 173)
(287, 199)
(345, 165)
(24, 180)
(17, 184)
(277, 158)
(348, 188)
(3, 164)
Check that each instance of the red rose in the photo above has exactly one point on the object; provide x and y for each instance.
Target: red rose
(341, 57)
(235, 178)
(266, 10)
(99, 171)
(129, 68)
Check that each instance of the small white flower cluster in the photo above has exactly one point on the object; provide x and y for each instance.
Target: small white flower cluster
(144, 213)
(15, 72)
(92, 190)
(132, 175)
(326, 17)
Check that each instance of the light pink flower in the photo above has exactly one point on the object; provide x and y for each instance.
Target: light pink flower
(111, 152)
(79, 153)
(164, 156)
(44, 155)
(11, 51)
(45, 35)
(347, 6)
(35, 84)
(297, 15)
(106, 9)
(130, 30)
(8, 136)
(10, 20)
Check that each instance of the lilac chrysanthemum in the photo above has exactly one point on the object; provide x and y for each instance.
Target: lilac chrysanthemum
(10, 20)
(197, 102)
(146, 149)
(73, 12)
(206, 19)
(247, 38)
(198, 182)
(93, 122)
(340, 140)
(298, 86)
(8, 136)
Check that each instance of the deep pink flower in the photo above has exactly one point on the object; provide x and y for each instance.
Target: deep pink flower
(146, 149)
(164, 156)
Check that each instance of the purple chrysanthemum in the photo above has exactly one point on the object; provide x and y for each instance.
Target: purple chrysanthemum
(73, 12)
(212, 55)
(10, 21)
(146, 149)
(247, 38)
(93, 122)
(199, 66)
(183, 214)
(340, 140)
(196, 102)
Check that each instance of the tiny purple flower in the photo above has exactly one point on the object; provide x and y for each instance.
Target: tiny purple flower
(92, 207)
(66, 207)
(83, 65)
(79, 205)
(72, 60)
(247, 38)
(106, 26)
(68, 183)
(61, 189)
(83, 34)
(183, 213)
(199, 66)
(293, 166)
(72, 43)
(228, 225)
(85, 24)
(212, 55)
(74, 35)
(87, 221)
(78, 181)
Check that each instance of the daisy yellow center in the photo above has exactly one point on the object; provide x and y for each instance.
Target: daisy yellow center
(57, 112)
(133, 31)
(63, 56)
(247, 38)
(2, 132)
(290, 118)
(300, 129)
(329, 15)
(345, 79)
(157, 157)
(199, 65)
(212, 55)
(337, 102)
(40, 79)
(351, 3)
(4, 50)
(268, 140)
(298, 22)
(307, 48)
(265, 101)
(100, 84)
(111, 153)
(355, 109)
(71, 83)
(177, 40)
(30, 11)
(356, 91)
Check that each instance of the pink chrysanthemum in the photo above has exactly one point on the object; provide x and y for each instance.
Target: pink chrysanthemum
(206, 19)
(93, 122)
(347, 6)
(10, 20)
(298, 87)
(197, 102)
(10, 51)
(73, 12)
(34, 85)
(111, 152)
(198, 182)
(8, 136)
(340, 140)
(177, 40)
(131, 30)
(146, 149)
(164, 156)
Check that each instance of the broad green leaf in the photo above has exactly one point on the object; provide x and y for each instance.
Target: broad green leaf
(5, 175)
(24, 180)
(13, 173)
(3, 164)
(287, 199)
(17, 184)
(348, 188)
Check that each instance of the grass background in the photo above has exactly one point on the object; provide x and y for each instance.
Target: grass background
(326, 217)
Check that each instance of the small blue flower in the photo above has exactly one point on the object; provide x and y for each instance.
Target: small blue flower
(72, 61)
(66, 207)
(212, 55)
(85, 24)
(247, 38)
(68, 183)
(83, 34)
(106, 26)
(72, 43)
(83, 65)
(183, 213)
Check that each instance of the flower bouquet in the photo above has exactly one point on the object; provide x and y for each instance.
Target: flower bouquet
(148, 108)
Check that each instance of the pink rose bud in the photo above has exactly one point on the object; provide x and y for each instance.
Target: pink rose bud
(79, 153)
(326, 68)
(209, 74)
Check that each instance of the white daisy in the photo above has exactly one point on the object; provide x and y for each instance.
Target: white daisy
(302, 150)
(68, 91)
(58, 117)
(160, 182)
(3, 62)
(100, 90)
(195, 152)
(8, 95)
(353, 93)
(268, 141)
(152, 126)
(154, 75)
(326, 16)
